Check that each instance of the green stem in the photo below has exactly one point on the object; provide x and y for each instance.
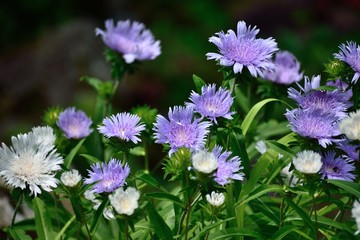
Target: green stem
(146, 163)
(17, 207)
(84, 220)
(315, 214)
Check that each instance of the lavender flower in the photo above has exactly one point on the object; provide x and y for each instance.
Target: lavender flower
(228, 169)
(74, 124)
(314, 124)
(212, 103)
(336, 168)
(335, 101)
(107, 176)
(122, 125)
(341, 85)
(287, 69)
(243, 49)
(351, 151)
(131, 39)
(181, 130)
(350, 54)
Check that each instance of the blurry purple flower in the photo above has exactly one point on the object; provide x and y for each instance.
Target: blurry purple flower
(125, 126)
(181, 130)
(243, 49)
(212, 103)
(336, 168)
(350, 54)
(228, 169)
(314, 124)
(351, 150)
(287, 69)
(74, 124)
(131, 39)
(342, 86)
(107, 176)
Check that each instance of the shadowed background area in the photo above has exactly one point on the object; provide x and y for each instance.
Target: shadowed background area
(46, 46)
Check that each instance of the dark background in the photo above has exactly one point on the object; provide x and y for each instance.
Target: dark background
(47, 45)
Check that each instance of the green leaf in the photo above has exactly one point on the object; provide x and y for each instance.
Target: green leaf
(232, 233)
(147, 178)
(58, 236)
(19, 234)
(261, 190)
(70, 157)
(161, 229)
(98, 214)
(199, 83)
(253, 112)
(166, 197)
(42, 220)
(90, 158)
(138, 151)
(282, 232)
(350, 187)
(238, 148)
(206, 229)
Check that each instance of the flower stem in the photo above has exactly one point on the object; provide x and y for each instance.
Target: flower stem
(17, 207)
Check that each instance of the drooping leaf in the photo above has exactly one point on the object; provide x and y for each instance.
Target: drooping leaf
(42, 220)
(70, 157)
(161, 229)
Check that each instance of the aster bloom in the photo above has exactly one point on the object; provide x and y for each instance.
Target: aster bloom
(228, 167)
(215, 199)
(314, 124)
(44, 136)
(351, 150)
(350, 126)
(350, 53)
(204, 161)
(287, 69)
(181, 130)
(309, 97)
(341, 85)
(107, 176)
(125, 126)
(70, 178)
(74, 123)
(211, 103)
(355, 212)
(244, 49)
(307, 161)
(336, 168)
(29, 163)
(131, 39)
(125, 201)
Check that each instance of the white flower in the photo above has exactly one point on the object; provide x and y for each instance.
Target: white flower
(204, 162)
(125, 202)
(285, 172)
(350, 126)
(215, 199)
(44, 136)
(307, 161)
(70, 178)
(30, 163)
(355, 212)
(261, 147)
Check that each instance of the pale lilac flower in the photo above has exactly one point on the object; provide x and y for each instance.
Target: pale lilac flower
(336, 168)
(107, 176)
(355, 213)
(351, 150)
(243, 49)
(125, 126)
(204, 161)
(131, 39)
(211, 103)
(350, 126)
(215, 199)
(307, 161)
(350, 53)
(342, 86)
(287, 69)
(181, 130)
(70, 178)
(228, 167)
(74, 123)
(29, 163)
(314, 124)
(125, 201)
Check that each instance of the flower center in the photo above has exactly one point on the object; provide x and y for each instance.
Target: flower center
(27, 166)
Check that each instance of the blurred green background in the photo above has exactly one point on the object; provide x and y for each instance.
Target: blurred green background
(47, 45)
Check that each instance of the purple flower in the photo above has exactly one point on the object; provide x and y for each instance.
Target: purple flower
(243, 49)
(335, 102)
(131, 39)
(212, 103)
(341, 85)
(351, 150)
(336, 168)
(314, 124)
(74, 124)
(181, 130)
(228, 169)
(125, 126)
(287, 69)
(107, 176)
(350, 54)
